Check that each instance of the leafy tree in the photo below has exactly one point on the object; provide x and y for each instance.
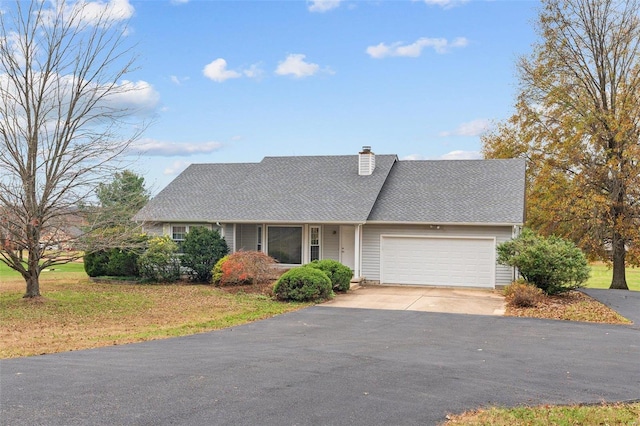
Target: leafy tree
(62, 124)
(121, 198)
(552, 264)
(577, 121)
(202, 249)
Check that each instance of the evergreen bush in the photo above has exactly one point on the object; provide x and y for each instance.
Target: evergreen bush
(339, 274)
(202, 249)
(552, 264)
(302, 285)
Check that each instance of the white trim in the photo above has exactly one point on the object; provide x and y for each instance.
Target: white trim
(441, 237)
(319, 242)
(357, 252)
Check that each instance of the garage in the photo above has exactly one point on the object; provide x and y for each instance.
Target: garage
(438, 261)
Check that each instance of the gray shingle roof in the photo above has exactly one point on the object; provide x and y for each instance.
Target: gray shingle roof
(290, 189)
(453, 191)
(324, 189)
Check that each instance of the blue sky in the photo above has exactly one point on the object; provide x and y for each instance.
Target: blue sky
(234, 81)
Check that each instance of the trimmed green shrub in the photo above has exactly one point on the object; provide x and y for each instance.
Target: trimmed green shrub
(95, 263)
(339, 274)
(521, 294)
(159, 262)
(244, 267)
(552, 264)
(113, 262)
(202, 249)
(122, 263)
(303, 285)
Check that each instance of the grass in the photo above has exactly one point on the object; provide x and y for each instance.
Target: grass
(601, 277)
(604, 414)
(76, 313)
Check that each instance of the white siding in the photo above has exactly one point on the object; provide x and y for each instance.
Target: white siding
(153, 229)
(331, 242)
(372, 234)
(228, 236)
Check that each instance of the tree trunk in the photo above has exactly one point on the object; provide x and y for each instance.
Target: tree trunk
(33, 276)
(619, 280)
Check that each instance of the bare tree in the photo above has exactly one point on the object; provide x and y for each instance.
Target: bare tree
(64, 108)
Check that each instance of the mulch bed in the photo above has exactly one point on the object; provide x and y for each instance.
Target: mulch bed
(570, 306)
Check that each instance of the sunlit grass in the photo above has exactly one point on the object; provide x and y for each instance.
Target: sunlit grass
(601, 277)
(75, 313)
(605, 414)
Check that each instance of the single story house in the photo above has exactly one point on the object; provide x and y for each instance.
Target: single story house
(391, 221)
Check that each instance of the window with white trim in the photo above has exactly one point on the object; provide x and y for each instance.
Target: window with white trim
(314, 243)
(259, 239)
(178, 232)
(284, 243)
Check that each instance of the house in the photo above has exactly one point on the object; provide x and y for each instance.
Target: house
(391, 221)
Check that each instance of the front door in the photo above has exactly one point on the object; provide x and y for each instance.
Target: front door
(347, 246)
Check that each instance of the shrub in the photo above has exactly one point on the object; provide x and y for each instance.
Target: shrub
(95, 263)
(122, 263)
(339, 274)
(521, 294)
(114, 262)
(302, 285)
(202, 248)
(244, 267)
(552, 264)
(160, 262)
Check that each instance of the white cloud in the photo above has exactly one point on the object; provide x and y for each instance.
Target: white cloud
(178, 80)
(176, 168)
(92, 12)
(453, 155)
(470, 128)
(153, 147)
(217, 71)
(413, 157)
(461, 155)
(254, 71)
(139, 97)
(445, 4)
(296, 66)
(413, 50)
(323, 5)
(179, 2)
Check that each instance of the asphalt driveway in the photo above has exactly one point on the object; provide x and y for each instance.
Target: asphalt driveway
(326, 366)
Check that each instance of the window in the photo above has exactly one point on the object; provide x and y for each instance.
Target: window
(284, 243)
(314, 243)
(259, 239)
(177, 234)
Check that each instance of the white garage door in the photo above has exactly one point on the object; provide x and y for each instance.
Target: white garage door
(464, 262)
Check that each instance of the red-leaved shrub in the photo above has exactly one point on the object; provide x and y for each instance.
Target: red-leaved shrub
(244, 267)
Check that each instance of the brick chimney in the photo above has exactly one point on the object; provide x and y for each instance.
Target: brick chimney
(366, 161)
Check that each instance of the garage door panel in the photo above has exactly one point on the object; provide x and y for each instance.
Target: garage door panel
(467, 262)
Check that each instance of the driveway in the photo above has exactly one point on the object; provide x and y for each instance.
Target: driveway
(327, 366)
(426, 299)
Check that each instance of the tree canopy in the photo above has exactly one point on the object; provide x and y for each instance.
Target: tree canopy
(577, 122)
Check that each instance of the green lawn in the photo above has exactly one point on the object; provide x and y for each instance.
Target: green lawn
(7, 273)
(601, 277)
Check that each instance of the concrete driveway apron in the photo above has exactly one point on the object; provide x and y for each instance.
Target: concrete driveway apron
(425, 299)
